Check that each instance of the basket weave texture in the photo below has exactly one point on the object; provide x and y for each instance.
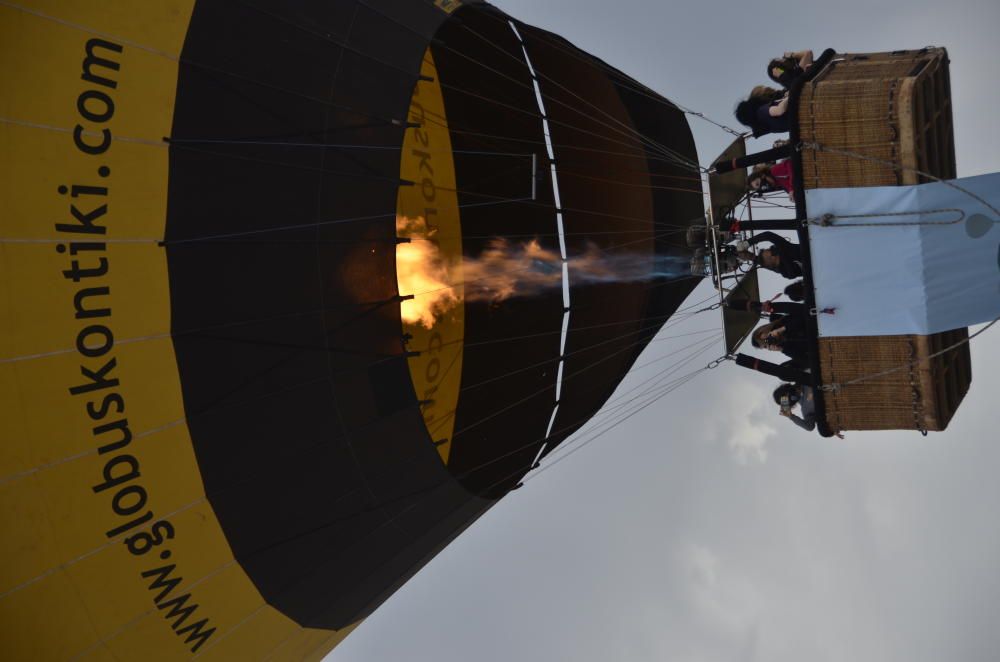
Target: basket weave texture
(896, 108)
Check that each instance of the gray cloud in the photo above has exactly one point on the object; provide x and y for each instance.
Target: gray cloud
(707, 528)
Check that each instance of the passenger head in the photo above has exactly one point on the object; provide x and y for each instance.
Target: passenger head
(786, 395)
(746, 113)
(783, 71)
(746, 110)
(764, 337)
(796, 291)
(760, 178)
(776, 68)
(765, 93)
(768, 259)
(759, 337)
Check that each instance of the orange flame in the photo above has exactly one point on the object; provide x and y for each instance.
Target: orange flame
(504, 270)
(421, 270)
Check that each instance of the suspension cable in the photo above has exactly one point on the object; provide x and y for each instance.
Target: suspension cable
(898, 167)
(631, 84)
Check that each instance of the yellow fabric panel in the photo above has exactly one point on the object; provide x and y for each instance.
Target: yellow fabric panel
(136, 208)
(215, 582)
(103, 594)
(433, 222)
(48, 158)
(44, 621)
(97, 654)
(55, 514)
(263, 631)
(110, 570)
(448, 6)
(324, 648)
(48, 88)
(225, 593)
(49, 432)
(148, 640)
(308, 644)
(29, 541)
(57, 425)
(159, 25)
(66, 589)
(13, 427)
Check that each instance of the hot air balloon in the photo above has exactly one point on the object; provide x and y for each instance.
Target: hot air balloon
(248, 388)
(898, 256)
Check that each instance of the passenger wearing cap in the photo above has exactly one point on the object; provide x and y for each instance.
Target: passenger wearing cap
(787, 396)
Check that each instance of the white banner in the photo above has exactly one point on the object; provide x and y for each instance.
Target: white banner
(906, 259)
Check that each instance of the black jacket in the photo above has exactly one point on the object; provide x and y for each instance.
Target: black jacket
(789, 253)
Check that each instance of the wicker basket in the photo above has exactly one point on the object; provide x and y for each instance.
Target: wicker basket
(922, 396)
(892, 107)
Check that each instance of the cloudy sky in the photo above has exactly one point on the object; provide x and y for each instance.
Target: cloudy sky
(706, 527)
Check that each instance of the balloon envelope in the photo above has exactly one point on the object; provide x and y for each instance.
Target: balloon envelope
(224, 432)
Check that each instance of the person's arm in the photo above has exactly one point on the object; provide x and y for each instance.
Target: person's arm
(767, 235)
(744, 305)
(805, 58)
(785, 308)
(786, 249)
(778, 109)
(808, 424)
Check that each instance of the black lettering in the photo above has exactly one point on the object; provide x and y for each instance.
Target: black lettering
(428, 188)
(98, 380)
(86, 225)
(82, 246)
(428, 212)
(120, 495)
(428, 404)
(425, 161)
(88, 148)
(114, 533)
(80, 299)
(112, 480)
(91, 60)
(94, 351)
(422, 137)
(77, 191)
(196, 633)
(125, 440)
(177, 609)
(101, 97)
(109, 399)
(435, 344)
(433, 370)
(142, 542)
(76, 273)
(417, 113)
(161, 575)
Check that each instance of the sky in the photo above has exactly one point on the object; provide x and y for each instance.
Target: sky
(707, 528)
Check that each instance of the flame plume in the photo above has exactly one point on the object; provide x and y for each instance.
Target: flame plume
(504, 270)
